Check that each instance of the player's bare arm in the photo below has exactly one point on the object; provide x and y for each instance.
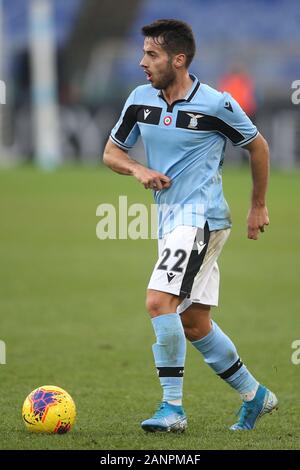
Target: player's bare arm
(119, 161)
(259, 160)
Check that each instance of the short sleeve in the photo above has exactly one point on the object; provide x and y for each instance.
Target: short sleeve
(126, 132)
(237, 126)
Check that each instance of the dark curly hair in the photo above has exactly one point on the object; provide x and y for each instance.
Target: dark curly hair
(174, 36)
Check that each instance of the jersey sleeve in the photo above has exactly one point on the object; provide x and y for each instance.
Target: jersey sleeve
(126, 132)
(235, 124)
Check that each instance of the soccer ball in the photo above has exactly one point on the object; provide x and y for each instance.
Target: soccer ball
(49, 409)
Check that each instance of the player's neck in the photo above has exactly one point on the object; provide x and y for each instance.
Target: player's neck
(179, 88)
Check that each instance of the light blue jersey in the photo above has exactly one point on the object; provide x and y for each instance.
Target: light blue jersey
(186, 141)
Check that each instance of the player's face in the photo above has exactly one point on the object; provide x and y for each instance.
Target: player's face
(157, 65)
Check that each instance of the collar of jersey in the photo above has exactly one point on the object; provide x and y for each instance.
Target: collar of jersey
(189, 94)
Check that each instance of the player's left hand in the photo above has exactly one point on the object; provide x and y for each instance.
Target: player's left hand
(257, 219)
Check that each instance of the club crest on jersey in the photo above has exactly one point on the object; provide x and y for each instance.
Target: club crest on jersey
(167, 120)
(194, 120)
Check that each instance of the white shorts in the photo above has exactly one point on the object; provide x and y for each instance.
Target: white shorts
(187, 265)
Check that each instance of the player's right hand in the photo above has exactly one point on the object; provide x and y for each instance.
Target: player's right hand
(257, 219)
(151, 179)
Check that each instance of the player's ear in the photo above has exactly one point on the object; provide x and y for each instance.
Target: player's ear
(179, 60)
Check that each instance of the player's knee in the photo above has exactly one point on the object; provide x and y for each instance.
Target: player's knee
(194, 333)
(153, 304)
(159, 303)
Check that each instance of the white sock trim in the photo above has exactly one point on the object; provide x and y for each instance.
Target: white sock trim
(175, 402)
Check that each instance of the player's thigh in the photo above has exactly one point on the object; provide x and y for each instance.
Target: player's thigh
(205, 288)
(181, 256)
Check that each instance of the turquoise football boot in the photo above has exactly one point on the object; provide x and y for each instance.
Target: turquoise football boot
(167, 418)
(264, 402)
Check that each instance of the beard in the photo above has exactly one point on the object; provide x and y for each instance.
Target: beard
(165, 79)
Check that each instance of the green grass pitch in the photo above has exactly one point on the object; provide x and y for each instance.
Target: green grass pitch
(73, 315)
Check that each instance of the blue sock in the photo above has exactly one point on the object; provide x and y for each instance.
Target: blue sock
(221, 355)
(169, 354)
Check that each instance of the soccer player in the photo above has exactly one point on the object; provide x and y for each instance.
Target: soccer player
(184, 125)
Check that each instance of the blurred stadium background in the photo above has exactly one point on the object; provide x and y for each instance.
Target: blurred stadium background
(67, 299)
(91, 62)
